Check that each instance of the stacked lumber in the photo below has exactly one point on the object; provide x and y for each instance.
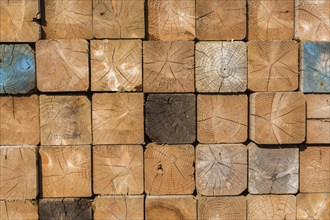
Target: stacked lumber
(164, 109)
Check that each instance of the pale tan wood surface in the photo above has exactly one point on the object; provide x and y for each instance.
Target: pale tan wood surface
(313, 206)
(19, 210)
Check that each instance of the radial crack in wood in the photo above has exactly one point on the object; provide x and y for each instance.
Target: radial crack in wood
(277, 118)
(17, 68)
(221, 169)
(66, 171)
(171, 118)
(315, 169)
(169, 169)
(116, 65)
(118, 18)
(273, 170)
(62, 65)
(313, 206)
(271, 20)
(221, 67)
(220, 19)
(18, 172)
(171, 19)
(271, 207)
(23, 209)
(118, 207)
(168, 66)
(118, 169)
(19, 120)
(65, 120)
(170, 207)
(273, 65)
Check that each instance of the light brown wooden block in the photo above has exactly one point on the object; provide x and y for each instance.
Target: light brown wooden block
(312, 20)
(118, 207)
(170, 207)
(62, 65)
(271, 207)
(221, 67)
(313, 206)
(315, 169)
(13, 210)
(116, 65)
(222, 118)
(19, 120)
(221, 169)
(65, 120)
(118, 118)
(220, 19)
(318, 118)
(272, 65)
(118, 169)
(273, 170)
(271, 20)
(169, 169)
(277, 117)
(233, 208)
(168, 66)
(118, 18)
(171, 19)
(69, 19)
(66, 171)
(18, 21)
(18, 172)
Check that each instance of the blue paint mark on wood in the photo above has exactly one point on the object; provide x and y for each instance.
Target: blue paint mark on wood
(17, 69)
(315, 67)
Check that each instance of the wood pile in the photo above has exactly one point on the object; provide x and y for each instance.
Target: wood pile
(164, 109)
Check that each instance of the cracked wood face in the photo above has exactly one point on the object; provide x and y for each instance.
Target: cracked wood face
(171, 20)
(312, 20)
(66, 171)
(271, 207)
(68, 19)
(116, 65)
(217, 208)
(62, 65)
(221, 67)
(273, 170)
(118, 169)
(171, 118)
(272, 65)
(313, 206)
(65, 120)
(17, 69)
(73, 209)
(19, 120)
(220, 19)
(169, 169)
(315, 67)
(314, 169)
(118, 18)
(318, 118)
(168, 66)
(277, 118)
(18, 172)
(118, 207)
(221, 169)
(222, 118)
(170, 207)
(118, 118)
(18, 210)
(271, 20)
(18, 21)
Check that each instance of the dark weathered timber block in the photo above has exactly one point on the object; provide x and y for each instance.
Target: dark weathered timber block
(17, 68)
(315, 67)
(171, 118)
(68, 209)
(273, 170)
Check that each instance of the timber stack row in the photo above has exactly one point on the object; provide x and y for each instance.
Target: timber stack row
(165, 109)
